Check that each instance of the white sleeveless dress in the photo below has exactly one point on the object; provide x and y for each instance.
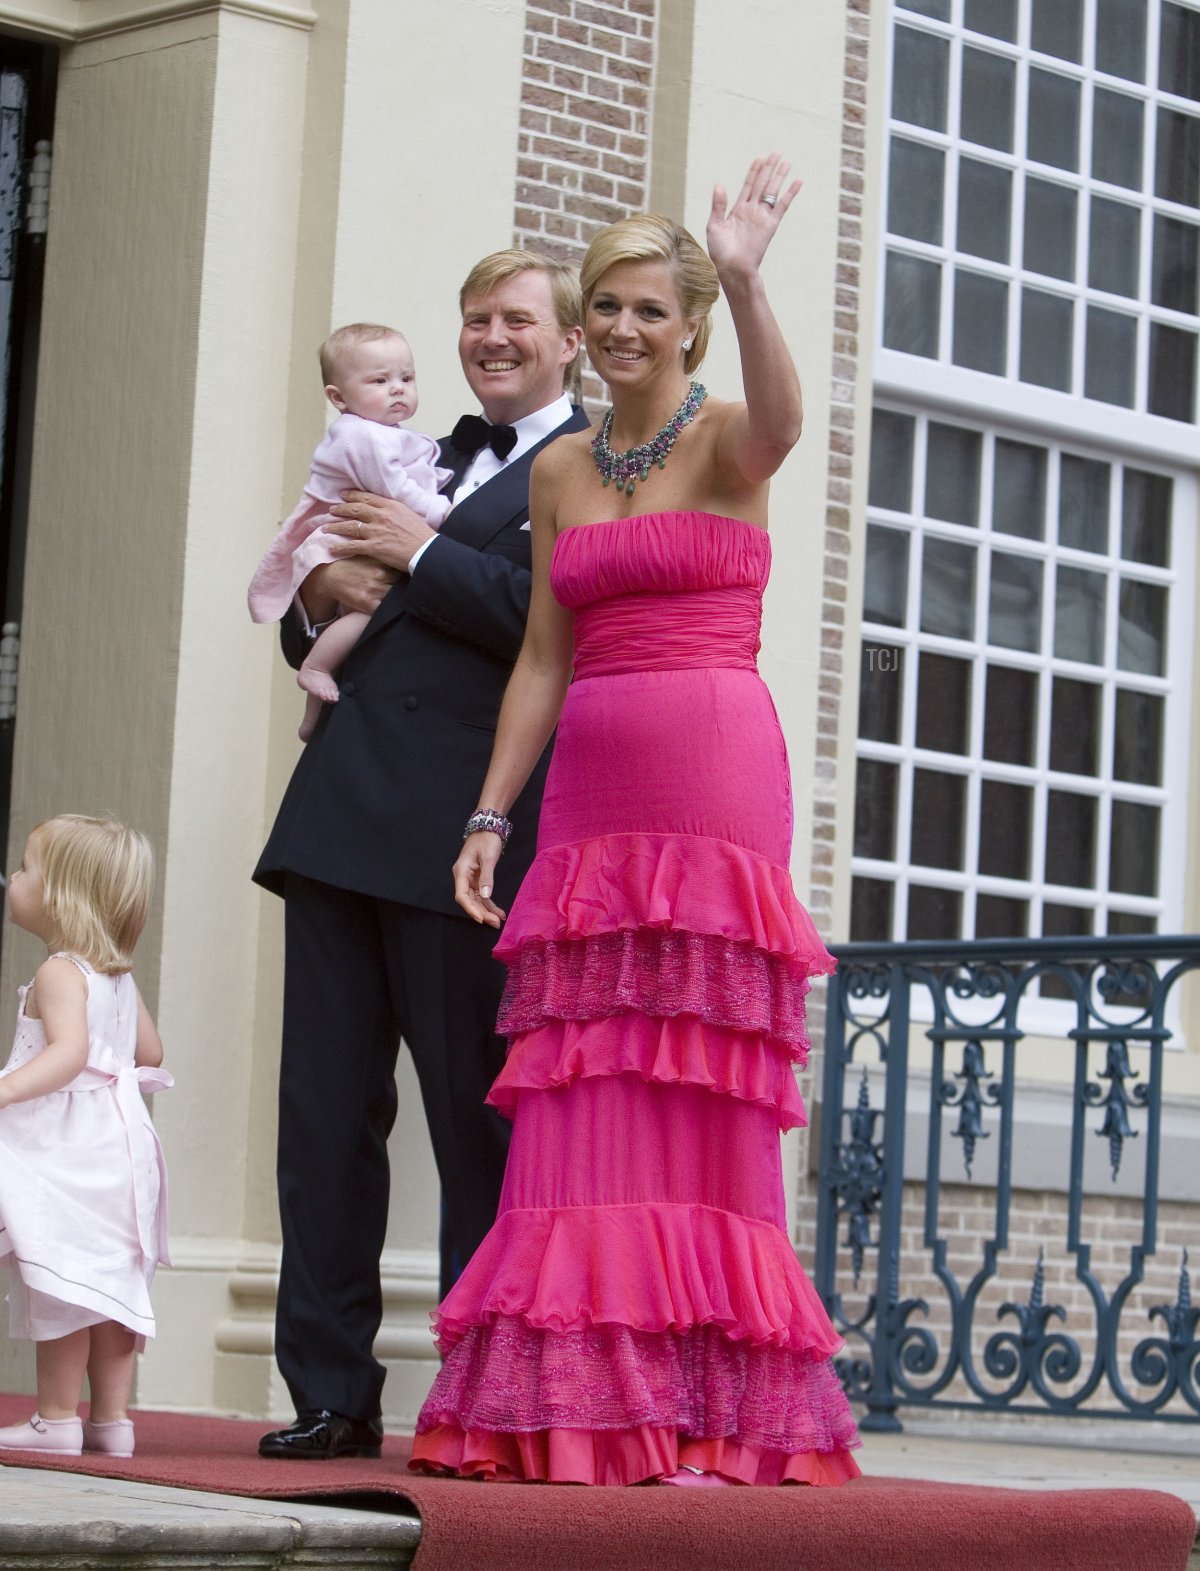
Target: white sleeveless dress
(83, 1184)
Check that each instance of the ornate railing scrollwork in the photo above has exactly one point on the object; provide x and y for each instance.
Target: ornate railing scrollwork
(1116, 1127)
(922, 1338)
(860, 1167)
(969, 1100)
(1171, 1363)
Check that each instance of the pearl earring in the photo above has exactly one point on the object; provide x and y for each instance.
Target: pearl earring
(687, 344)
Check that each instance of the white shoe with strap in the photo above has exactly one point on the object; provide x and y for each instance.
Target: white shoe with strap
(56, 1436)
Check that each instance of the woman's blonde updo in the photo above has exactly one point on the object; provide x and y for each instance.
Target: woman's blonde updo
(648, 237)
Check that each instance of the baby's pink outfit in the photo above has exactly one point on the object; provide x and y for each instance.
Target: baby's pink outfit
(354, 455)
(83, 1183)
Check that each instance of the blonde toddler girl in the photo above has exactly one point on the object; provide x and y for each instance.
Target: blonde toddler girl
(83, 1196)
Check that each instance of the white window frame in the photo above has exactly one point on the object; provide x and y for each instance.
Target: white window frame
(1175, 686)
(966, 391)
(1005, 407)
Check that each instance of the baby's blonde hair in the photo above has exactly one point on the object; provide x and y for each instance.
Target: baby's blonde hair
(98, 880)
(349, 337)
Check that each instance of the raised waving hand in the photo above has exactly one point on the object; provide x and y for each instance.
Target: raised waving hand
(738, 236)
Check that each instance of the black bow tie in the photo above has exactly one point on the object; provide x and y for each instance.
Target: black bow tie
(473, 432)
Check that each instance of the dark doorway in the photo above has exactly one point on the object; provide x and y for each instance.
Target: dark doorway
(28, 76)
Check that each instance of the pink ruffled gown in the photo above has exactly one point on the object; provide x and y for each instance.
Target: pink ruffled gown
(638, 1305)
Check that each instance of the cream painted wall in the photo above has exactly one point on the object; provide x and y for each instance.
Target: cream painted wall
(428, 172)
(773, 82)
(770, 83)
(209, 976)
(72, 21)
(324, 97)
(104, 572)
(172, 235)
(408, 182)
(410, 226)
(114, 404)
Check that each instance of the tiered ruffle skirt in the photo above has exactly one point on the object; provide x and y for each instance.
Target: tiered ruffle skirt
(638, 1306)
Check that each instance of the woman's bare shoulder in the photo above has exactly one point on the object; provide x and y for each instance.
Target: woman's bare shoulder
(559, 463)
(564, 453)
(718, 410)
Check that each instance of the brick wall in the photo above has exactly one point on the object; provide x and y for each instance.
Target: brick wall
(1037, 1227)
(845, 369)
(583, 145)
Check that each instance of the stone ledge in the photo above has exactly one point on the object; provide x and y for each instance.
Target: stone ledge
(71, 21)
(66, 1520)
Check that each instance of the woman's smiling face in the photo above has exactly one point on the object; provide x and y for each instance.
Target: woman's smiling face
(634, 326)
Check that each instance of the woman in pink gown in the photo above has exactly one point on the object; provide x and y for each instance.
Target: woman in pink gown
(638, 1313)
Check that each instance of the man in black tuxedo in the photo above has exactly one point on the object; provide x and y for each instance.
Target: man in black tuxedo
(375, 947)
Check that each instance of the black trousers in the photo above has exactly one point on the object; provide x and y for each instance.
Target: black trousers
(359, 975)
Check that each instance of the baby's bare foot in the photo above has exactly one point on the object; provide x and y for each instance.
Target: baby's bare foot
(319, 683)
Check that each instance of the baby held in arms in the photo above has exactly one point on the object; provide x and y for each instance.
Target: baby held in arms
(370, 380)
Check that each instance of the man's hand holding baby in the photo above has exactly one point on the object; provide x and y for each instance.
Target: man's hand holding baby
(358, 583)
(378, 527)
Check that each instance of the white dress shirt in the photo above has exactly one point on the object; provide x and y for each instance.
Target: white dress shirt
(531, 429)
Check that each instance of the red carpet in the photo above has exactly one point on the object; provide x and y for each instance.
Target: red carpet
(900, 1524)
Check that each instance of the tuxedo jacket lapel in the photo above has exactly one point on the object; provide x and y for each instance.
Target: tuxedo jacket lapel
(480, 517)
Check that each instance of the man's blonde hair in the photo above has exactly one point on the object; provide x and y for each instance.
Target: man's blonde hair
(497, 268)
(349, 337)
(649, 237)
(98, 878)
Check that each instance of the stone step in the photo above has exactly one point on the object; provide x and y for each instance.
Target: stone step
(1072, 1454)
(70, 1522)
(74, 1522)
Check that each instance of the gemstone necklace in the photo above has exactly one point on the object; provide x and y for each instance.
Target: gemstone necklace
(629, 467)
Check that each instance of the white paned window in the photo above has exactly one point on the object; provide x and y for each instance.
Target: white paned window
(1043, 206)
(1029, 593)
(1023, 687)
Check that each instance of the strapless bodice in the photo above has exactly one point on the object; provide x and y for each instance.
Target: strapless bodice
(662, 591)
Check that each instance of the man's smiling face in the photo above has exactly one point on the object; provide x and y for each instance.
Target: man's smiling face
(514, 352)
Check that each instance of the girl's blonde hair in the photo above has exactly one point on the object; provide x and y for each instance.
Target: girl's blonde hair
(98, 880)
(649, 237)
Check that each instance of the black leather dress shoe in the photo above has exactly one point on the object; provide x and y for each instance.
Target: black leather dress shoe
(319, 1434)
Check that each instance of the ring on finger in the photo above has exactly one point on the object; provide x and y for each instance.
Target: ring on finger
(770, 200)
